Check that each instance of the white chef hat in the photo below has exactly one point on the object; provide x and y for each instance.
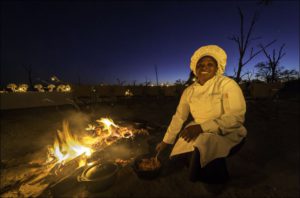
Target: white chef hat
(210, 50)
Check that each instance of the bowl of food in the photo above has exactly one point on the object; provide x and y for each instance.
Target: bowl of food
(99, 177)
(147, 166)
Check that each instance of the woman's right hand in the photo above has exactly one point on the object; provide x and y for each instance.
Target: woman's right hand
(161, 146)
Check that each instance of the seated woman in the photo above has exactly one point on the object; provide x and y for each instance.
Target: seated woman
(218, 107)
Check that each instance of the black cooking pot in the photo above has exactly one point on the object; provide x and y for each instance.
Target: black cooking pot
(146, 174)
(99, 177)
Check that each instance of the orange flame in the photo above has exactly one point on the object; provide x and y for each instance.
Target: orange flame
(66, 147)
(113, 129)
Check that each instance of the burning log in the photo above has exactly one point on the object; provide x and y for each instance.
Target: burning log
(35, 186)
(22, 186)
(43, 178)
(61, 170)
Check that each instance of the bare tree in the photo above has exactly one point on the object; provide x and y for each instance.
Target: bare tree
(287, 75)
(134, 83)
(28, 69)
(273, 62)
(248, 75)
(179, 82)
(147, 83)
(243, 40)
(156, 74)
(120, 82)
(263, 72)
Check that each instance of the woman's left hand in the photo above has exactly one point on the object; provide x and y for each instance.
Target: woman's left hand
(191, 132)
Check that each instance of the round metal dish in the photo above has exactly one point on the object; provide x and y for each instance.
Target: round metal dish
(146, 174)
(99, 177)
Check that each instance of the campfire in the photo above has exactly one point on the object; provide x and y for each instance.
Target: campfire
(70, 154)
(67, 146)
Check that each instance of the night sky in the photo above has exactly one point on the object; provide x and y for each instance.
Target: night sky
(103, 41)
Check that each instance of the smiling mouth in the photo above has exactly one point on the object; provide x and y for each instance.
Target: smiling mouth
(204, 72)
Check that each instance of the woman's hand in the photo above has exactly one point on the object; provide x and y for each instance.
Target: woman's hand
(161, 146)
(191, 132)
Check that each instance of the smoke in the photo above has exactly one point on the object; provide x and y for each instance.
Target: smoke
(123, 151)
(78, 121)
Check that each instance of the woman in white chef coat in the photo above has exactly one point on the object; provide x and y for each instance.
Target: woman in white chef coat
(218, 107)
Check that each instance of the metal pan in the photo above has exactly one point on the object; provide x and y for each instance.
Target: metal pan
(146, 174)
(99, 177)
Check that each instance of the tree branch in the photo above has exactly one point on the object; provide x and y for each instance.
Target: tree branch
(256, 53)
(253, 22)
(241, 28)
(236, 39)
(280, 55)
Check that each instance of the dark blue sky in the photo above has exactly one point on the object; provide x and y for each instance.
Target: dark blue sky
(103, 41)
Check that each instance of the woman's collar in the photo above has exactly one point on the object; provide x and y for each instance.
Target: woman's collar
(207, 82)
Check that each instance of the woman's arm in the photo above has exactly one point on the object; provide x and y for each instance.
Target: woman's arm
(178, 119)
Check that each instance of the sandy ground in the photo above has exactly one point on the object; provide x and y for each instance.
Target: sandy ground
(266, 166)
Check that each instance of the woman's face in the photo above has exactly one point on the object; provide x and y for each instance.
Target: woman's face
(206, 68)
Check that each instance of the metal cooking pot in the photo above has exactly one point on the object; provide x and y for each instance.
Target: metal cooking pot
(99, 177)
(146, 174)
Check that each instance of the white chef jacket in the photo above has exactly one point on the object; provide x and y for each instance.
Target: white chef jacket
(219, 107)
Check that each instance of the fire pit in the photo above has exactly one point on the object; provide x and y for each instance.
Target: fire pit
(71, 155)
(99, 177)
